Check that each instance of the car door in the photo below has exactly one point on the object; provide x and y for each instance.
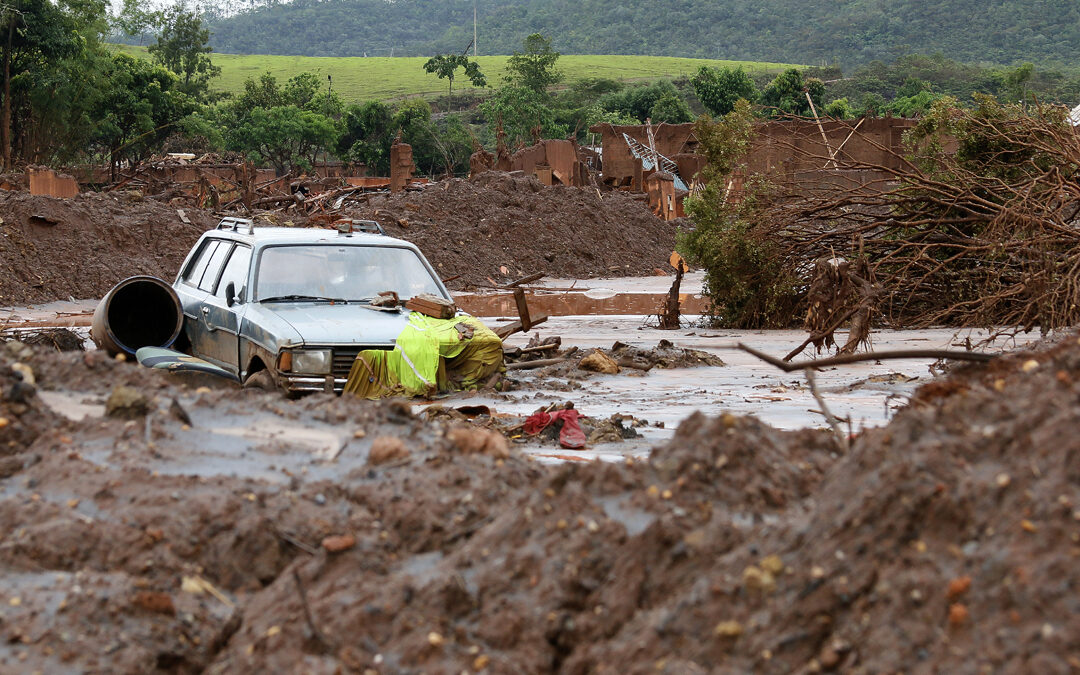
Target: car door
(221, 322)
(187, 288)
(203, 329)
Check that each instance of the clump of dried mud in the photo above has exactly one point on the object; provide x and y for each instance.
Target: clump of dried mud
(23, 417)
(945, 542)
(53, 249)
(473, 228)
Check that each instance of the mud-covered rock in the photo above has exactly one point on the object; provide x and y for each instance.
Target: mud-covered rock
(127, 403)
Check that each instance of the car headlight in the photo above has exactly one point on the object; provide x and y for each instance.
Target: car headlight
(310, 361)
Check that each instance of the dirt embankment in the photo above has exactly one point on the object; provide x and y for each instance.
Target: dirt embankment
(474, 228)
(945, 541)
(53, 249)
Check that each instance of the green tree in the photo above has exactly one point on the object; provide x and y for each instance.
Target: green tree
(445, 65)
(140, 109)
(135, 19)
(183, 47)
(534, 68)
(638, 102)
(719, 88)
(873, 104)
(523, 111)
(286, 136)
(37, 35)
(367, 132)
(744, 278)
(1016, 82)
(786, 94)
(912, 106)
(840, 108)
(671, 109)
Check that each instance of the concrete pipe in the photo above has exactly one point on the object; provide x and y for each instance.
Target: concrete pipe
(137, 312)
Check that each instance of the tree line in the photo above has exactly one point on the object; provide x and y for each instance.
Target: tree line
(1046, 32)
(69, 98)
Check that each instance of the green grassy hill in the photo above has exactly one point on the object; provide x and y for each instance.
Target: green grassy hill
(360, 79)
(845, 32)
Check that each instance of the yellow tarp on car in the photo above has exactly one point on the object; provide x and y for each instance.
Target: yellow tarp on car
(430, 356)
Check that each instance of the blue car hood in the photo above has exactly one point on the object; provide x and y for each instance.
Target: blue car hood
(324, 324)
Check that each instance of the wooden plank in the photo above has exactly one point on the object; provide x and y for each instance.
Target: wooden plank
(522, 308)
(525, 280)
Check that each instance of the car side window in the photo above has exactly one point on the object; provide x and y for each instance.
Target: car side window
(236, 271)
(213, 268)
(194, 272)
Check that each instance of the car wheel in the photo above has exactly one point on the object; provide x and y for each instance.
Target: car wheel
(261, 380)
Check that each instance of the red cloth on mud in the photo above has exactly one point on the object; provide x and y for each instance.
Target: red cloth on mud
(570, 436)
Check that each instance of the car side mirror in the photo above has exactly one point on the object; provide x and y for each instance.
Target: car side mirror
(230, 294)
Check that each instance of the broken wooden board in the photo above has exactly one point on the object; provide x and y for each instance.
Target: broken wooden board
(431, 305)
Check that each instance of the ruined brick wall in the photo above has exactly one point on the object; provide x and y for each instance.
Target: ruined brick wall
(620, 164)
(783, 148)
(790, 148)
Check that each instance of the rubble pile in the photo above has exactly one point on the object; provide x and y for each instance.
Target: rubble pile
(944, 541)
(53, 249)
(500, 226)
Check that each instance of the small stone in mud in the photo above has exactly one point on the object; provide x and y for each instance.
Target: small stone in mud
(154, 601)
(387, 449)
(599, 362)
(757, 579)
(471, 440)
(337, 544)
(126, 403)
(773, 565)
(729, 629)
(434, 639)
(25, 372)
(958, 587)
(958, 614)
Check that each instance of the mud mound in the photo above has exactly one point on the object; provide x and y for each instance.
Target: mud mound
(23, 417)
(52, 249)
(944, 542)
(475, 227)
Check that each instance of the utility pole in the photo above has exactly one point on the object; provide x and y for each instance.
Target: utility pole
(474, 28)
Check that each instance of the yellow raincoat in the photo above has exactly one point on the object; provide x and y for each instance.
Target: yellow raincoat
(430, 356)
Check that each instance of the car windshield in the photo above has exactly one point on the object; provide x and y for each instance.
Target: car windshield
(334, 272)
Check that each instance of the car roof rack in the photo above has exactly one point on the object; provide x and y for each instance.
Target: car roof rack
(235, 224)
(349, 225)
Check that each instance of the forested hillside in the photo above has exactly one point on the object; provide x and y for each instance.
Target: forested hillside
(848, 32)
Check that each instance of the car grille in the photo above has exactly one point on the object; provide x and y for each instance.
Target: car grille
(344, 357)
(343, 360)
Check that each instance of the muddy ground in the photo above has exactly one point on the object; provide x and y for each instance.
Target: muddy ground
(55, 249)
(498, 227)
(945, 541)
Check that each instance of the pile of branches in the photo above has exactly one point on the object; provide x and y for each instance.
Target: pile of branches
(975, 223)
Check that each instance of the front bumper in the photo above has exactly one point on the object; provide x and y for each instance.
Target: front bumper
(300, 384)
